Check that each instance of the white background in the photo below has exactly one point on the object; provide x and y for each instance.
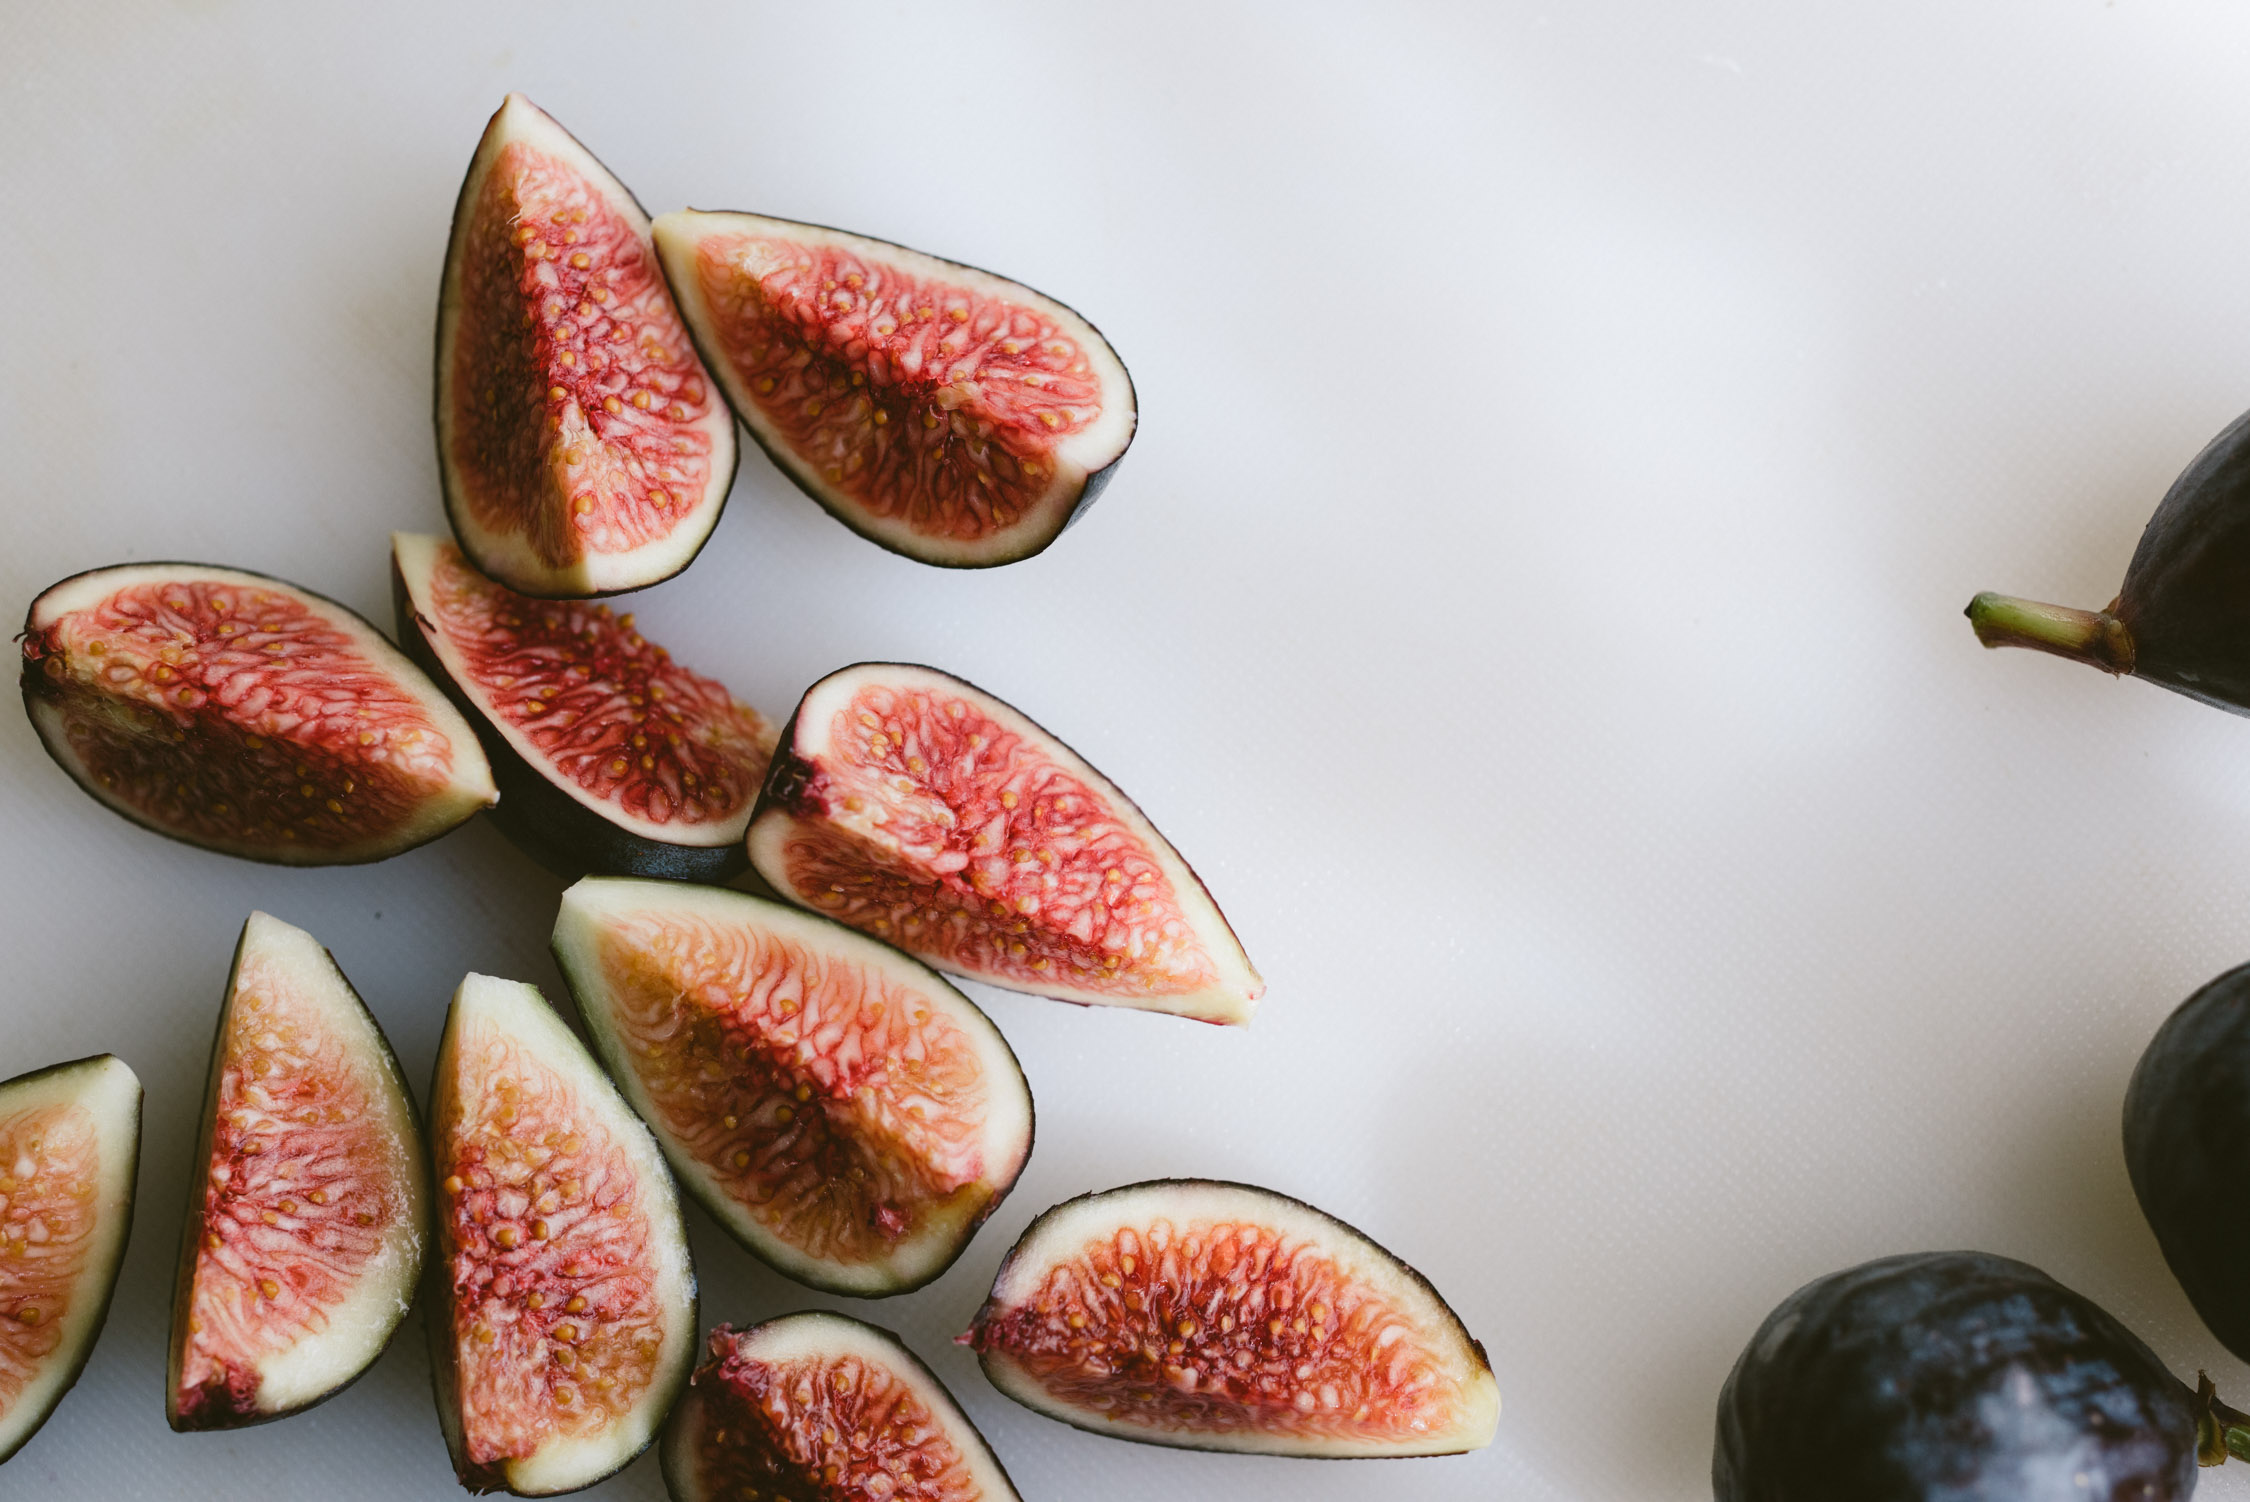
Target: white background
(1569, 435)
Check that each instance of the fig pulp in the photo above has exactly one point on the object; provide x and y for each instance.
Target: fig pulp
(922, 810)
(822, 1408)
(70, 1145)
(849, 1116)
(245, 715)
(1942, 1376)
(2182, 617)
(565, 1314)
(2187, 1135)
(609, 755)
(581, 447)
(946, 413)
(309, 1204)
(1220, 1317)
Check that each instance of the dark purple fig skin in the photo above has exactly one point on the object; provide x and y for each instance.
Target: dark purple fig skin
(2186, 597)
(2187, 1139)
(2182, 617)
(1946, 1377)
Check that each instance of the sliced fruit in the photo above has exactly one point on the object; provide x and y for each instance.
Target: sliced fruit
(1947, 1376)
(610, 756)
(565, 1319)
(245, 715)
(849, 1116)
(820, 1407)
(70, 1145)
(922, 810)
(1216, 1316)
(2181, 619)
(944, 412)
(581, 446)
(309, 1208)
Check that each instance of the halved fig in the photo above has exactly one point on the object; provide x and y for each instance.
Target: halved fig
(582, 449)
(921, 809)
(309, 1207)
(820, 1407)
(70, 1145)
(609, 755)
(245, 715)
(1216, 1316)
(564, 1323)
(949, 414)
(849, 1116)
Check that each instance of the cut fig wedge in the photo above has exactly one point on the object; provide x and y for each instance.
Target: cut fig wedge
(308, 1211)
(818, 1407)
(1214, 1316)
(245, 715)
(610, 756)
(849, 1116)
(582, 449)
(920, 809)
(564, 1323)
(70, 1146)
(946, 413)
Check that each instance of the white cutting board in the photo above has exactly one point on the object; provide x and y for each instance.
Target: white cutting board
(1569, 435)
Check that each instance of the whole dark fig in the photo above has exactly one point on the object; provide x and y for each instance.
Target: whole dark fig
(1950, 1377)
(2182, 617)
(2187, 1137)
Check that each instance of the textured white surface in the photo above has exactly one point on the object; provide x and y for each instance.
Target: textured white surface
(1569, 436)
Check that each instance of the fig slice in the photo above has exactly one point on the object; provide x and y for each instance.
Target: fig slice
(1216, 1316)
(564, 1322)
(309, 1206)
(920, 809)
(581, 447)
(70, 1146)
(245, 715)
(610, 756)
(821, 1407)
(849, 1116)
(946, 413)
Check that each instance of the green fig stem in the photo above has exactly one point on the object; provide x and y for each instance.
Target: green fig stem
(2220, 1430)
(2094, 637)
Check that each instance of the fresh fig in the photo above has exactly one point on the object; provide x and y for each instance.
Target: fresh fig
(2182, 617)
(822, 1408)
(946, 413)
(1216, 1316)
(2187, 1135)
(1945, 1376)
(245, 715)
(70, 1146)
(564, 1323)
(922, 810)
(309, 1207)
(849, 1116)
(580, 444)
(609, 755)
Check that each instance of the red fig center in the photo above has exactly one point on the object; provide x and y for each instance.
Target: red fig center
(1034, 873)
(591, 393)
(49, 1176)
(929, 401)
